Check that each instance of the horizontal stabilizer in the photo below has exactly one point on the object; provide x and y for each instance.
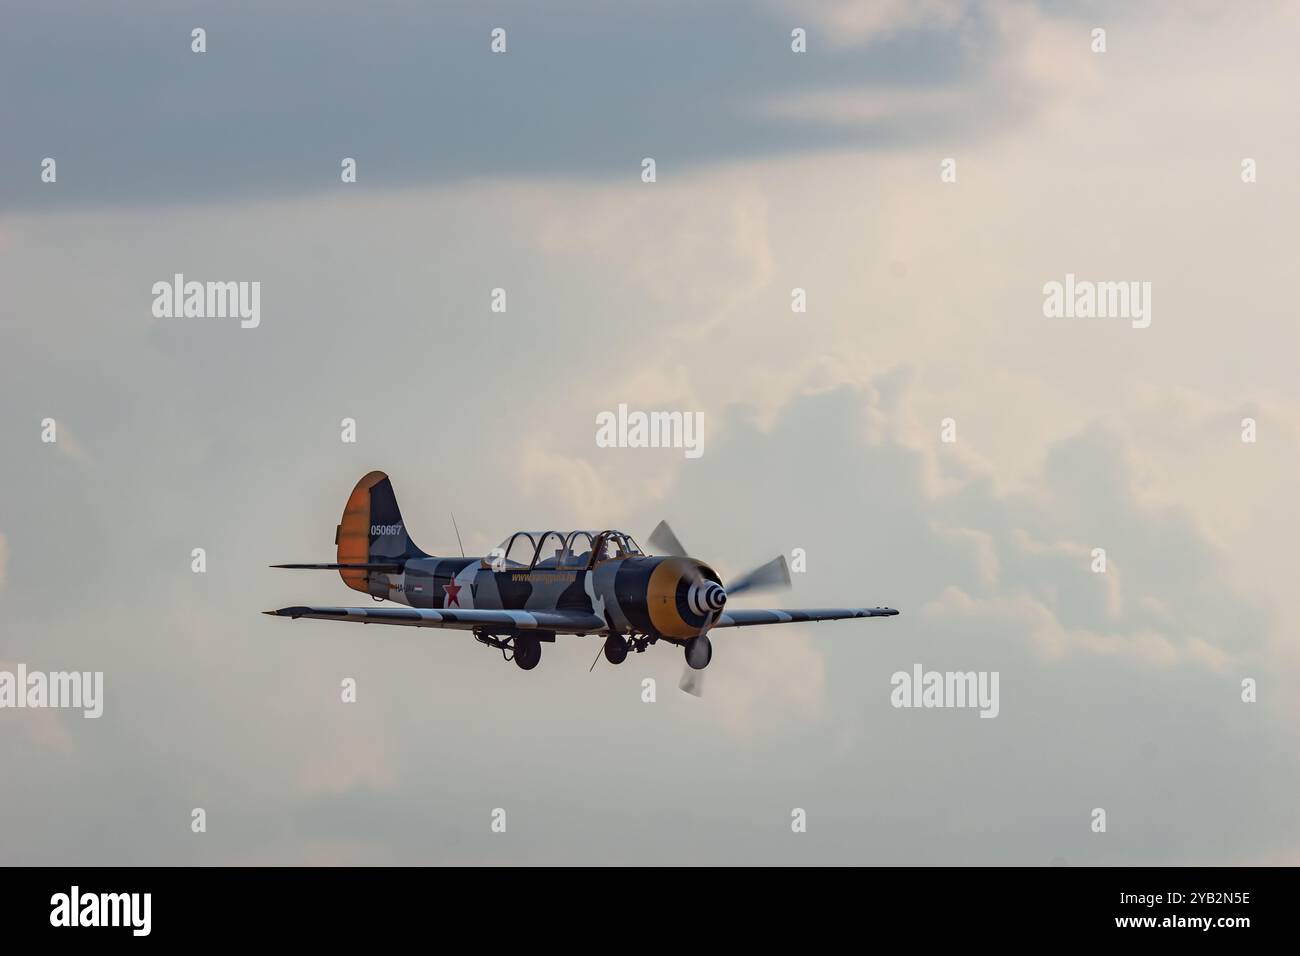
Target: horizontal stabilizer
(388, 568)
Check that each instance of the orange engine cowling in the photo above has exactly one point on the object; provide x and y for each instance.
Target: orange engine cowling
(682, 596)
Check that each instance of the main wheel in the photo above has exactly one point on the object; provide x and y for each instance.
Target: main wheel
(699, 652)
(528, 652)
(616, 649)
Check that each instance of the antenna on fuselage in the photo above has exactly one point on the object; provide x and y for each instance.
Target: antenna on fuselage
(457, 530)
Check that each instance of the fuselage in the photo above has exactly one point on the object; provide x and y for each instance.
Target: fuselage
(667, 597)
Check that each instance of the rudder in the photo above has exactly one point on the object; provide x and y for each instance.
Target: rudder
(372, 531)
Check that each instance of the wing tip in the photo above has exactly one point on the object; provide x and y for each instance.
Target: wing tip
(294, 612)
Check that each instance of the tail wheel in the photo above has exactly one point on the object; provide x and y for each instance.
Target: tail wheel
(698, 652)
(616, 649)
(528, 652)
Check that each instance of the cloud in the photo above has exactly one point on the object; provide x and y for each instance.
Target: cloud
(283, 94)
(856, 22)
(864, 106)
(1018, 562)
(988, 578)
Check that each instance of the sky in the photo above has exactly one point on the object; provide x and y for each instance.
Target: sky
(775, 170)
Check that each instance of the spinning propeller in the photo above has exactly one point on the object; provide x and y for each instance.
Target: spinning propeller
(709, 598)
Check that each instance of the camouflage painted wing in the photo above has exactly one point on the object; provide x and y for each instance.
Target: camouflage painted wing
(562, 622)
(748, 618)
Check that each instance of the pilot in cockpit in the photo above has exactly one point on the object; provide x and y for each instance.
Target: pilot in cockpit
(574, 557)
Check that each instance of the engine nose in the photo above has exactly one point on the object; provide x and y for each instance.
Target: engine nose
(706, 597)
(681, 596)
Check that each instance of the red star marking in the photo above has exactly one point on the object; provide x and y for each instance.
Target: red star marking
(453, 593)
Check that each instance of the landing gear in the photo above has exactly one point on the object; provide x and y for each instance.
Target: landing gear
(528, 652)
(616, 648)
(698, 652)
(524, 649)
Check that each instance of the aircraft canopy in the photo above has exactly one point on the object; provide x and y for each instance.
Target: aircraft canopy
(567, 550)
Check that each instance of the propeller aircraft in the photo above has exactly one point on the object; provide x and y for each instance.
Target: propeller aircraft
(537, 585)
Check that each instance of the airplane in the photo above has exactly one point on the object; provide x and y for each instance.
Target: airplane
(537, 585)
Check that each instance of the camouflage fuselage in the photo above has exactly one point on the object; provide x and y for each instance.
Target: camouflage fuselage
(643, 595)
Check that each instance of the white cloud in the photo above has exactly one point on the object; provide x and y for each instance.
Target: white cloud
(854, 22)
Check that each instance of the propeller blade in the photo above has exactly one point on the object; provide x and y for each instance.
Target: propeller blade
(774, 574)
(692, 681)
(663, 540)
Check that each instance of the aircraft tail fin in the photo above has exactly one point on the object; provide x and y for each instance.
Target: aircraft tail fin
(372, 533)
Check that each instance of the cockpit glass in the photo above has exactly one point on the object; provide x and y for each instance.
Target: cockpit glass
(577, 550)
(559, 549)
(550, 551)
(615, 544)
(515, 552)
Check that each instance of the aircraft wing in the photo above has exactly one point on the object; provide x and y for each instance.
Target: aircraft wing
(749, 617)
(564, 622)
